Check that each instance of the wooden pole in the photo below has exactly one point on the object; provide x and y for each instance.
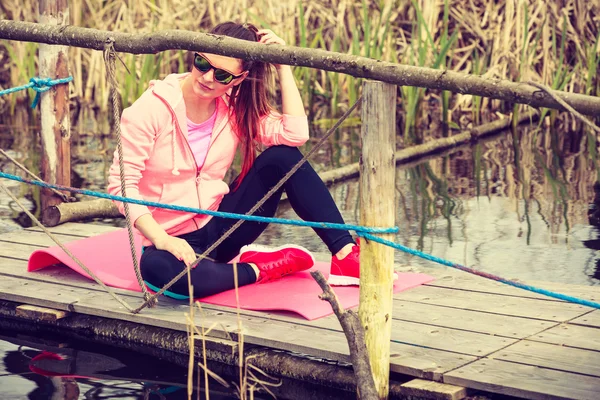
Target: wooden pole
(54, 106)
(377, 208)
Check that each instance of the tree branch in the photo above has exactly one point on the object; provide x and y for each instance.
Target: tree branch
(355, 335)
(362, 67)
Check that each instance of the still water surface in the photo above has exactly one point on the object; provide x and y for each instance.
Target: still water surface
(31, 368)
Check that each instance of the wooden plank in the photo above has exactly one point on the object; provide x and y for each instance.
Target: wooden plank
(494, 303)
(524, 381)
(440, 338)
(424, 363)
(455, 279)
(450, 278)
(561, 358)
(53, 274)
(582, 337)
(78, 229)
(33, 238)
(17, 251)
(590, 319)
(40, 313)
(591, 293)
(258, 330)
(474, 321)
(423, 389)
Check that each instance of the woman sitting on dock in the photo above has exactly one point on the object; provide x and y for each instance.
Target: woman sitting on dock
(180, 138)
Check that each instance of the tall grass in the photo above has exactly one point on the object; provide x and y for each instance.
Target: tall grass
(555, 43)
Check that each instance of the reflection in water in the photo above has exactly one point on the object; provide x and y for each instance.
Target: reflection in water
(46, 369)
(516, 206)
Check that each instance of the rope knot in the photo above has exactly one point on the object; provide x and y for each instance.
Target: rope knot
(41, 85)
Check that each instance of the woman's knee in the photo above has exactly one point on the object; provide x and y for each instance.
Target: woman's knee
(284, 156)
(159, 266)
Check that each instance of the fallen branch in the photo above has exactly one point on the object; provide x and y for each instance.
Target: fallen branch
(433, 147)
(355, 335)
(362, 67)
(67, 212)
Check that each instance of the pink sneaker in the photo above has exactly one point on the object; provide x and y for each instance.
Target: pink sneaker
(346, 272)
(275, 263)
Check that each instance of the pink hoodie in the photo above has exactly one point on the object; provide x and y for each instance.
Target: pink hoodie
(159, 164)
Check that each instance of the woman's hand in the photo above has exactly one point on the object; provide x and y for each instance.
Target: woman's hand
(178, 247)
(290, 96)
(267, 36)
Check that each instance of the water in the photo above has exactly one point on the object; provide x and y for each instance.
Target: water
(47, 364)
(55, 368)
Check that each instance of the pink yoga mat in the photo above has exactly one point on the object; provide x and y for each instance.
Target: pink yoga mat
(108, 256)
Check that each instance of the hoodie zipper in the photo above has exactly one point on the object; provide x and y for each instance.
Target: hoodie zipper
(178, 130)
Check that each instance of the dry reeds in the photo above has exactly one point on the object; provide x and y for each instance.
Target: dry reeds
(555, 43)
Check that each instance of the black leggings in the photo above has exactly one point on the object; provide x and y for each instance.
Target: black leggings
(308, 196)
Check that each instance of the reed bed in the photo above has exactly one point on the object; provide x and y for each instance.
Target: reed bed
(555, 43)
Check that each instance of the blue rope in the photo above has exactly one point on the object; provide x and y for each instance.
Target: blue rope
(40, 85)
(255, 218)
(480, 273)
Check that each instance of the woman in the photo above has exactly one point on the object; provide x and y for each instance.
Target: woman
(180, 138)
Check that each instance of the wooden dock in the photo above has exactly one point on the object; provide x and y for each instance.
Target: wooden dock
(460, 329)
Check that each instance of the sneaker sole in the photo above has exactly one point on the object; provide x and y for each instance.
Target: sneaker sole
(264, 249)
(341, 280)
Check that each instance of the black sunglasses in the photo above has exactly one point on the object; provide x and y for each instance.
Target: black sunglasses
(221, 76)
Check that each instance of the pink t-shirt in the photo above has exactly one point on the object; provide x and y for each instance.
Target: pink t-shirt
(199, 137)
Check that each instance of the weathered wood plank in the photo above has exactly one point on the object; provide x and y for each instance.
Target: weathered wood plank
(494, 303)
(16, 250)
(423, 389)
(455, 279)
(440, 338)
(424, 363)
(474, 321)
(582, 337)
(561, 358)
(590, 319)
(78, 229)
(34, 238)
(525, 381)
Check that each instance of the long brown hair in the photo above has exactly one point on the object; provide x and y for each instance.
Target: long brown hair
(249, 100)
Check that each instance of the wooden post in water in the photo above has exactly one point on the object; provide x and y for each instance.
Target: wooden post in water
(377, 208)
(54, 106)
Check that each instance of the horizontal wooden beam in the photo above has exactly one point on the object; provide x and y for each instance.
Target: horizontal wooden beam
(361, 67)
